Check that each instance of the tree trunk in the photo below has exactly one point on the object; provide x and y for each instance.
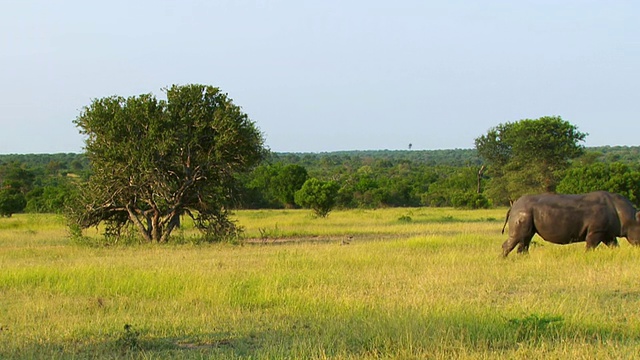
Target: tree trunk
(134, 218)
(156, 227)
(480, 175)
(173, 223)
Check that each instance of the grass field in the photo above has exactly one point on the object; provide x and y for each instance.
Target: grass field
(361, 284)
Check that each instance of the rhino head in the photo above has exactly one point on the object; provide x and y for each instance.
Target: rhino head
(633, 232)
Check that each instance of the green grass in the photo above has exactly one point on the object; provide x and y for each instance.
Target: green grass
(410, 284)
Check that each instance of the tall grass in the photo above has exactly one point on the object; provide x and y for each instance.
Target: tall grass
(363, 284)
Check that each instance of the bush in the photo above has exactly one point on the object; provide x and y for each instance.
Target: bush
(614, 177)
(11, 202)
(470, 200)
(320, 196)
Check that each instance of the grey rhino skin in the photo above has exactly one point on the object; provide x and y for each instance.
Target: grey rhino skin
(563, 219)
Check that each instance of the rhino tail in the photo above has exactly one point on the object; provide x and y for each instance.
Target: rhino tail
(506, 220)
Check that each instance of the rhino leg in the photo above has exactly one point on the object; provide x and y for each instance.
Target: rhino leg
(523, 247)
(595, 238)
(507, 246)
(520, 233)
(521, 242)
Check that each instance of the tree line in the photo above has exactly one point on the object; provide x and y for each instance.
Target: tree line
(149, 162)
(41, 183)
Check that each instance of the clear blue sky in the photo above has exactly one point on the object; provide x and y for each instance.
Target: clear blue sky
(328, 75)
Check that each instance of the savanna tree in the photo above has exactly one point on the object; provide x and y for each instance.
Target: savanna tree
(155, 160)
(528, 156)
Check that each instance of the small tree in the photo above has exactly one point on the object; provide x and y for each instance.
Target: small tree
(155, 160)
(289, 179)
(11, 201)
(15, 182)
(319, 196)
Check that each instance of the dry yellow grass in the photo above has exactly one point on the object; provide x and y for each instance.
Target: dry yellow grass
(410, 283)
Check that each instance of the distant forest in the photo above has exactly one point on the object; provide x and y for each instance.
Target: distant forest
(323, 161)
(367, 179)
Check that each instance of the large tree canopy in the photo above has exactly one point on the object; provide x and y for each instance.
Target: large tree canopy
(528, 156)
(155, 160)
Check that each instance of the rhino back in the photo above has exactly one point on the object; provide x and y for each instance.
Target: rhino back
(564, 219)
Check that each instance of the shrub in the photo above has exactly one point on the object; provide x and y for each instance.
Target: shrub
(320, 196)
(469, 200)
(11, 202)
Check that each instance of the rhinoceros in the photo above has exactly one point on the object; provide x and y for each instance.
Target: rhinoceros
(596, 217)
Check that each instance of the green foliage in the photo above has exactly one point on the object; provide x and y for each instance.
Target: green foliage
(529, 156)
(65, 162)
(53, 197)
(469, 200)
(17, 176)
(11, 201)
(457, 187)
(384, 184)
(318, 195)
(362, 188)
(155, 160)
(367, 179)
(15, 182)
(317, 162)
(624, 154)
(289, 179)
(613, 177)
(275, 185)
